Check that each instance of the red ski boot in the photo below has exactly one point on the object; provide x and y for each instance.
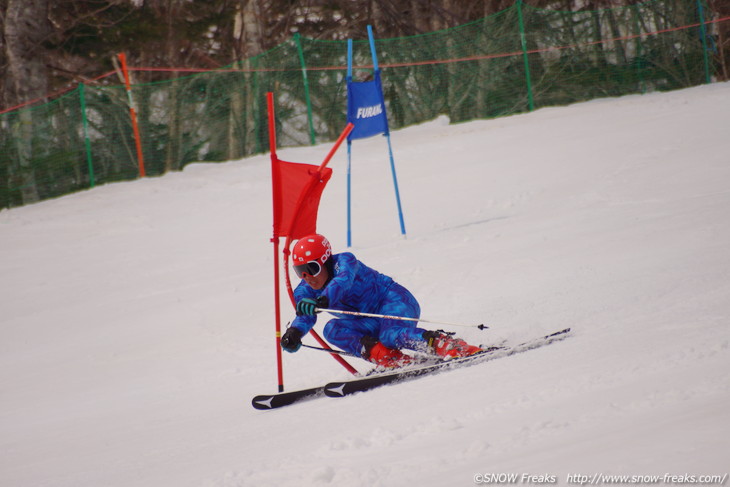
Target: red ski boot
(382, 356)
(446, 347)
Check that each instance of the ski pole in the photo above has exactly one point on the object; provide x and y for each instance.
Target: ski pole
(330, 350)
(402, 318)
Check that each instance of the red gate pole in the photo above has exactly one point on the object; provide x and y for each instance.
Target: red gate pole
(132, 114)
(277, 313)
(275, 239)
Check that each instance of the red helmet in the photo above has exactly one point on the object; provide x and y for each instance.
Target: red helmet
(310, 253)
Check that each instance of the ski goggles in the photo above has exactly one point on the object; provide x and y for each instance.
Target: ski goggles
(312, 268)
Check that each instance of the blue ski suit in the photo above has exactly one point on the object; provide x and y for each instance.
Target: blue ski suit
(353, 286)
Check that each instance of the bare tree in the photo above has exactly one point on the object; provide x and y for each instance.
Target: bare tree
(249, 28)
(25, 27)
(721, 10)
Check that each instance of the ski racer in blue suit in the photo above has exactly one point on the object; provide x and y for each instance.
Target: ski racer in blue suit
(342, 282)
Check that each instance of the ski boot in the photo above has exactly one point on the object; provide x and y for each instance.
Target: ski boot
(446, 347)
(382, 356)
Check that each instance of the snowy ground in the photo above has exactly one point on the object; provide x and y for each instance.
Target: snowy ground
(137, 318)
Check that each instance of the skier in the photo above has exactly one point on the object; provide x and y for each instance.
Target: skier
(343, 282)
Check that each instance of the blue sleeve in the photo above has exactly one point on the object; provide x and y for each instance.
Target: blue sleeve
(345, 269)
(304, 323)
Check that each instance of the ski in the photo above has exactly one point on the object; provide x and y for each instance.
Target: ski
(281, 399)
(341, 389)
(273, 401)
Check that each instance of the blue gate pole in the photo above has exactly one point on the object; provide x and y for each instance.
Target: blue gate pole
(395, 184)
(349, 197)
(349, 151)
(376, 69)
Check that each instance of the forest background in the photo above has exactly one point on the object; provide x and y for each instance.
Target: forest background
(48, 47)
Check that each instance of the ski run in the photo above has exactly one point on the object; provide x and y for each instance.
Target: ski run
(137, 317)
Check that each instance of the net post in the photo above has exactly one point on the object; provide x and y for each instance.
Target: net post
(703, 36)
(300, 52)
(87, 142)
(523, 42)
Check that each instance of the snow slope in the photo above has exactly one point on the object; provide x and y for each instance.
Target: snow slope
(137, 318)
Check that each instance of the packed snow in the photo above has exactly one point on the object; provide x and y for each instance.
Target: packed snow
(138, 320)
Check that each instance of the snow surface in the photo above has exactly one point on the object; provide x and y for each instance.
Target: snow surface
(137, 318)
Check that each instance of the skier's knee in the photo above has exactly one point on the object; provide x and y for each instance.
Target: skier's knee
(329, 331)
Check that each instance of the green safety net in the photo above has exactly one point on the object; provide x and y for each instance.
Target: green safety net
(517, 60)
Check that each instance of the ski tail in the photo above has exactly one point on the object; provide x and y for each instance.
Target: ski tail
(273, 401)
